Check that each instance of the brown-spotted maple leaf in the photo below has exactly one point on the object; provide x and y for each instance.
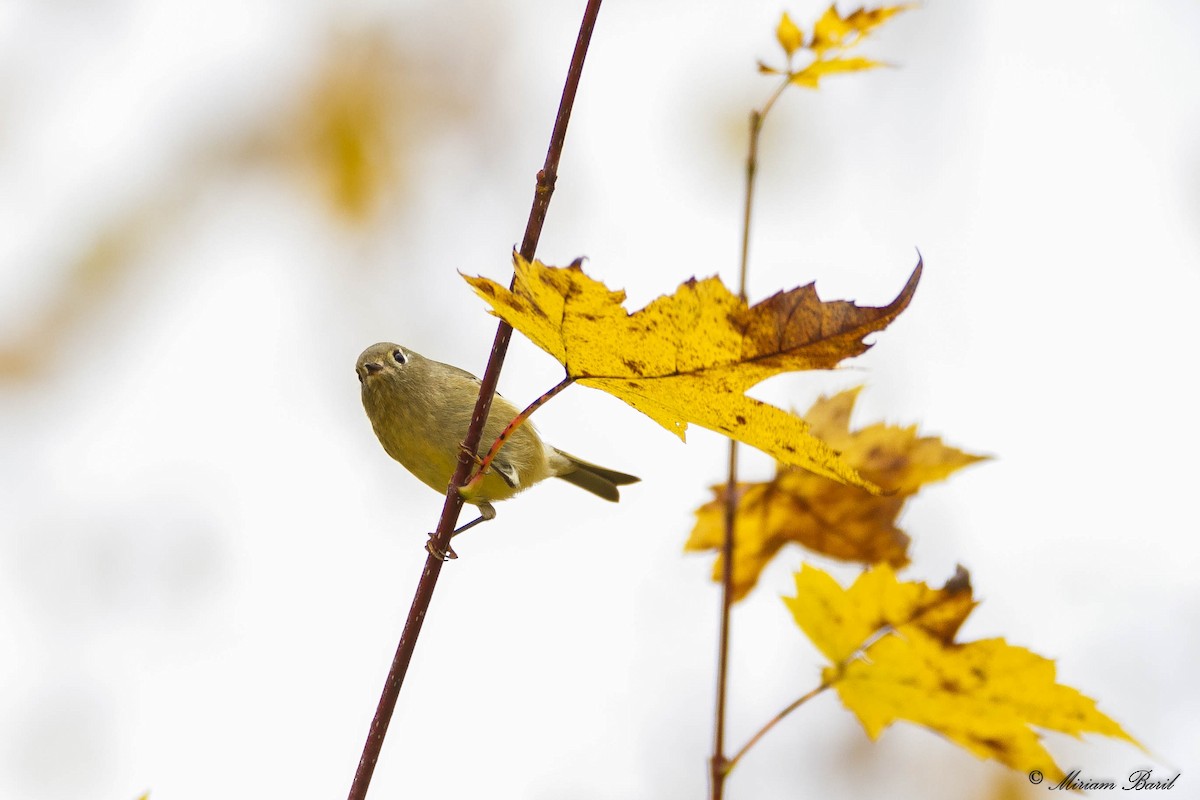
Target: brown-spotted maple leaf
(689, 357)
(826, 517)
(893, 656)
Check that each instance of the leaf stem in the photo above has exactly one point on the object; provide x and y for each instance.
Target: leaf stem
(517, 422)
(772, 723)
(766, 108)
(543, 190)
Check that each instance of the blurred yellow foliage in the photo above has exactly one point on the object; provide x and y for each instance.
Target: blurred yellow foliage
(790, 37)
(691, 356)
(833, 31)
(346, 132)
(833, 35)
(87, 284)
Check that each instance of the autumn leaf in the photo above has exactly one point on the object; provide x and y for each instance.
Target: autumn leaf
(833, 30)
(790, 37)
(893, 657)
(864, 20)
(689, 357)
(832, 36)
(810, 76)
(827, 517)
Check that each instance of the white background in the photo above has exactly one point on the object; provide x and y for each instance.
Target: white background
(206, 558)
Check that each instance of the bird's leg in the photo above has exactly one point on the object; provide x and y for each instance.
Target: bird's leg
(471, 454)
(477, 476)
(487, 512)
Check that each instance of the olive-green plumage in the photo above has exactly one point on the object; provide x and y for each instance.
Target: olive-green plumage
(421, 409)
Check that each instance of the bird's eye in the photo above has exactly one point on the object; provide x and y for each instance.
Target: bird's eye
(398, 354)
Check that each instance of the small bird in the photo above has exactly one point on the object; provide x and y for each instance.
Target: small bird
(421, 409)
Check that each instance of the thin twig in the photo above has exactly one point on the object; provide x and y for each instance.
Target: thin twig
(719, 766)
(771, 724)
(450, 510)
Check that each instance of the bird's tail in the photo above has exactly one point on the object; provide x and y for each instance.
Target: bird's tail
(600, 481)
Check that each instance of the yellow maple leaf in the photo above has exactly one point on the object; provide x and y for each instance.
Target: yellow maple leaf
(833, 30)
(895, 457)
(864, 20)
(893, 657)
(810, 76)
(826, 517)
(833, 35)
(790, 37)
(691, 356)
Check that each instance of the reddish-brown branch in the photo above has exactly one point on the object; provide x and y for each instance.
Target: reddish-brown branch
(543, 190)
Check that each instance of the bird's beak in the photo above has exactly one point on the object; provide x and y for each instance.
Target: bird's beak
(369, 369)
